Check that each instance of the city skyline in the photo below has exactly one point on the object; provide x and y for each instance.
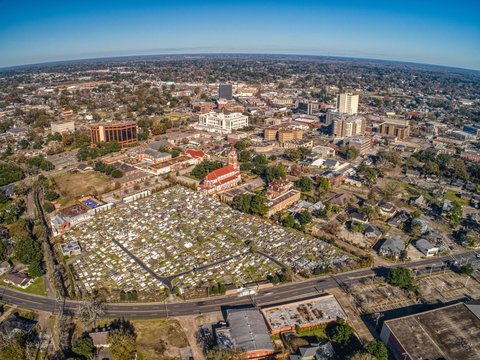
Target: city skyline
(411, 32)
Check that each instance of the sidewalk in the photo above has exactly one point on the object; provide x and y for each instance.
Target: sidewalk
(353, 316)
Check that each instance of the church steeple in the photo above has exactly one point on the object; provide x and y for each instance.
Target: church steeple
(232, 159)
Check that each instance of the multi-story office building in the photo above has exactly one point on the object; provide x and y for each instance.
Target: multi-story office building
(222, 121)
(347, 104)
(62, 126)
(282, 135)
(124, 133)
(399, 128)
(346, 126)
(309, 107)
(270, 134)
(225, 91)
(361, 143)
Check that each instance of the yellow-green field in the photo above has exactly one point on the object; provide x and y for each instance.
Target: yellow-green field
(74, 185)
(156, 338)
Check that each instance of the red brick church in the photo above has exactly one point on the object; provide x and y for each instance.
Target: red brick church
(224, 178)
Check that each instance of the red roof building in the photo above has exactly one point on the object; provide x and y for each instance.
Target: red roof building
(224, 178)
(198, 154)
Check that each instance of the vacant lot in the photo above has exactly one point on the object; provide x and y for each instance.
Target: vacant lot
(159, 338)
(74, 185)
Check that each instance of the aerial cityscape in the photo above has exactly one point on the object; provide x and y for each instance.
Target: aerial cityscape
(240, 202)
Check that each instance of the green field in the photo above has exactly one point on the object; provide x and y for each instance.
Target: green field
(452, 196)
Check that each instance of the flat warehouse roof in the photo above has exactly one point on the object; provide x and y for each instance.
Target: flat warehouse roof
(451, 332)
(303, 313)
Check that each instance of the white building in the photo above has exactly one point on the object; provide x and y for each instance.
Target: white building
(347, 104)
(62, 126)
(222, 122)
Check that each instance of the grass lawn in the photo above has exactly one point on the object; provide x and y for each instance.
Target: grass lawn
(74, 185)
(452, 196)
(317, 331)
(37, 287)
(156, 338)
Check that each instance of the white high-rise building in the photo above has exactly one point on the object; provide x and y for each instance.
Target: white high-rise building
(222, 122)
(347, 104)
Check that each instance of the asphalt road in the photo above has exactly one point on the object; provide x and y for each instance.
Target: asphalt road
(275, 295)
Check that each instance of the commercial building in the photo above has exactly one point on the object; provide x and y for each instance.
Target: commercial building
(62, 126)
(282, 135)
(399, 128)
(222, 121)
(225, 91)
(450, 332)
(281, 196)
(247, 332)
(297, 143)
(303, 314)
(347, 104)
(347, 126)
(361, 143)
(309, 107)
(124, 133)
(224, 178)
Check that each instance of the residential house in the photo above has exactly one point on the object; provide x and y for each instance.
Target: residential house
(426, 248)
(392, 247)
(316, 351)
(18, 279)
(372, 232)
(387, 209)
(5, 267)
(16, 325)
(400, 218)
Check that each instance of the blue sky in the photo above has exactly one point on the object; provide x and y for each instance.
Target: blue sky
(432, 32)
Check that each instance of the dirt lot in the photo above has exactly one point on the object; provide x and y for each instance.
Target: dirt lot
(74, 185)
(447, 287)
(159, 338)
(380, 297)
(191, 324)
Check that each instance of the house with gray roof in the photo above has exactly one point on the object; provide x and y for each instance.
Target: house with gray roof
(426, 247)
(392, 247)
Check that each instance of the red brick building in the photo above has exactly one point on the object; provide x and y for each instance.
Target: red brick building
(224, 178)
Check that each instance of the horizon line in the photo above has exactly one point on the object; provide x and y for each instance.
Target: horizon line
(107, 57)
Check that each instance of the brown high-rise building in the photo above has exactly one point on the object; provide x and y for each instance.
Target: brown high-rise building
(398, 128)
(270, 134)
(124, 133)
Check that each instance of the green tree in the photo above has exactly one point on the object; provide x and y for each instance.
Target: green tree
(28, 251)
(13, 348)
(305, 217)
(305, 184)
(401, 277)
(48, 206)
(4, 198)
(289, 221)
(467, 269)
(341, 332)
(122, 343)
(324, 185)
(378, 350)
(455, 214)
(35, 269)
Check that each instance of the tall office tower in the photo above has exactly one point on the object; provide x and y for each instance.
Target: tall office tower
(347, 104)
(225, 91)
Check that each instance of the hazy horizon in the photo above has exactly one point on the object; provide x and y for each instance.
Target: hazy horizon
(418, 32)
